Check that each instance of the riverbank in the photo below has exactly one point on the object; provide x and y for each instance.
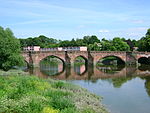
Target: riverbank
(22, 93)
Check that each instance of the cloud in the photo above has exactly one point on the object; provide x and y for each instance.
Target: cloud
(137, 29)
(138, 21)
(81, 26)
(136, 32)
(133, 34)
(104, 31)
(36, 22)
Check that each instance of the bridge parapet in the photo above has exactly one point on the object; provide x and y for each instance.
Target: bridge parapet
(139, 55)
(141, 52)
(119, 52)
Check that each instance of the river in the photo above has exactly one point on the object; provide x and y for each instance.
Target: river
(124, 89)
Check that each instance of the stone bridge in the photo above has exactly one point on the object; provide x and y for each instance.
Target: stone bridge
(91, 57)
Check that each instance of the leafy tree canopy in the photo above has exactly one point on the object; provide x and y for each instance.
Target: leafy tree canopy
(144, 43)
(92, 42)
(10, 50)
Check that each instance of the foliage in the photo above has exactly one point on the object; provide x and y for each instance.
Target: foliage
(120, 45)
(65, 43)
(144, 43)
(147, 85)
(118, 82)
(26, 94)
(49, 110)
(92, 42)
(117, 44)
(42, 41)
(10, 53)
(95, 47)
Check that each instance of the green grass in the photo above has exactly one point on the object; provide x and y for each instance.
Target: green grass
(22, 93)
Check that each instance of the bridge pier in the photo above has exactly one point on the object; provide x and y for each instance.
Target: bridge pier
(130, 59)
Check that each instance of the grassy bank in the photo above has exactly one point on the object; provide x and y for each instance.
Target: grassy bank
(22, 93)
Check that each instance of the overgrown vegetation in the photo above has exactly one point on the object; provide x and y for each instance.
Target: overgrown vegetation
(21, 93)
(10, 51)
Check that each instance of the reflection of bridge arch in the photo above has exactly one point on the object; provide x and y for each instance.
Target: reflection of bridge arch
(55, 74)
(95, 74)
(80, 70)
(116, 56)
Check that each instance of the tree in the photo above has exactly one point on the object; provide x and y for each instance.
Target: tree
(148, 32)
(144, 43)
(120, 45)
(117, 44)
(95, 47)
(90, 39)
(65, 43)
(42, 41)
(80, 42)
(10, 53)
(131, 45)
(73, 43)
(106, 45)
(135, 43)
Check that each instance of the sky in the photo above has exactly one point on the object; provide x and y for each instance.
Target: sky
(67, 19)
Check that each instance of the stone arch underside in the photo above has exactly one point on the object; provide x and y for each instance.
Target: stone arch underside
(73, 56)
(60, 58)
(85, 59)
(117, 56)
(37, 58)
(144, 60)
(27, 63)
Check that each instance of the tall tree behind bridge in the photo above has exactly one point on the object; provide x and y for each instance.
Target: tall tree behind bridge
(10, 54)
(42, 41)
(144, 43)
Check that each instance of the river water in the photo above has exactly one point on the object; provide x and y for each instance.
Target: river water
(124, 89)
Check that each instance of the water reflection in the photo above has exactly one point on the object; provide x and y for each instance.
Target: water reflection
(147, 85)
(82, 72)
(110, 69)
(144, 67)
(113, 83)
(51, 69)
(80, 69)
(117, 76)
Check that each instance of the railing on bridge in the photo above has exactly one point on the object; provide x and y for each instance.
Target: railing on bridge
(37, 48)
(73, 49)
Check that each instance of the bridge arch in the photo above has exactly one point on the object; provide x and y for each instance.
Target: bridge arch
(144, 60)
(85, 59)
(26, 63)
(53, 56)
(108, 58)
